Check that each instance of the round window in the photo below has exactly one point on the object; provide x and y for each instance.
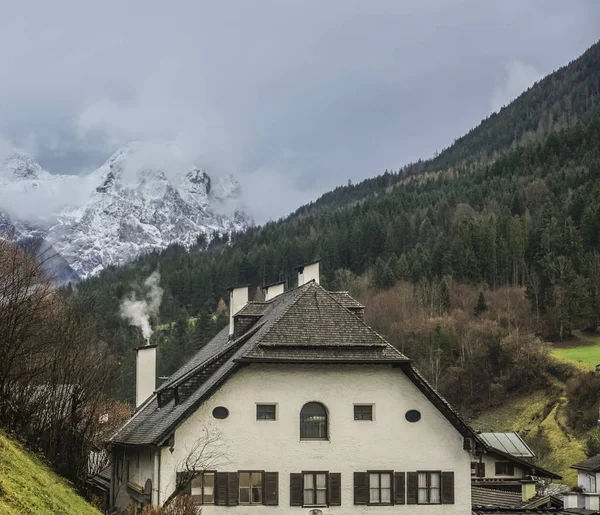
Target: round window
(220, 412)
(413, 415)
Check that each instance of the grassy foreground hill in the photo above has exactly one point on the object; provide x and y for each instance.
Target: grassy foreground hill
(28, 486)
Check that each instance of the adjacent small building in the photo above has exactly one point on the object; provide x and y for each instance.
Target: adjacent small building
(503, 477)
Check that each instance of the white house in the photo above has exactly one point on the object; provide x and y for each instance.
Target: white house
(296, 407)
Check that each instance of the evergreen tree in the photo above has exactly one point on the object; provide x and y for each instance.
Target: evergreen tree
(481, 305)
(445, 300)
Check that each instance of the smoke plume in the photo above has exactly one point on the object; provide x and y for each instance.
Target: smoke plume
(138, 311)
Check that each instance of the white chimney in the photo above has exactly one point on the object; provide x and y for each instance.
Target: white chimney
(145, 373)
(307, 273)
(273, 290)
(238, 298)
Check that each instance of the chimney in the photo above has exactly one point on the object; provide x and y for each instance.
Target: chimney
(308, 272)
(238, 298)
(272, 290)
(145, 373)
(527, 489)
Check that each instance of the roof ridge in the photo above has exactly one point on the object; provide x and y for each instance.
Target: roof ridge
(284, 311)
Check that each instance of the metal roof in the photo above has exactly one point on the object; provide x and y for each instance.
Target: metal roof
(510, 443)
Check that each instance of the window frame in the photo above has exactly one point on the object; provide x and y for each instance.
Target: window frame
(364, 405)
(275, 408)
(214, 496)
(380, 472)
(429, 472)
(313, 438)
(262, 487)
(505, 463)
(314, 474)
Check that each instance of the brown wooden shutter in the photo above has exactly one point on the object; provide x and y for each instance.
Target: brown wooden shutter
(400, 487)
(412, 487)
(335, 489)
(222, 478)
(361, 488)
(233, 489)
(447, 487)
(480, 469)
(181, 478)
(271, 488)
(296, 489)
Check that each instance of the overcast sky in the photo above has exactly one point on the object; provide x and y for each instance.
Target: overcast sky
(292, 97)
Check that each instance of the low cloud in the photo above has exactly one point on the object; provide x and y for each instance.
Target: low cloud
(518, 77)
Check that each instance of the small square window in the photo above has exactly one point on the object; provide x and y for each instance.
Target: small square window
(266, 411)
(363, 412)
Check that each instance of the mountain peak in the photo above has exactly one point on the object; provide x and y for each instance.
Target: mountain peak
(20, 165)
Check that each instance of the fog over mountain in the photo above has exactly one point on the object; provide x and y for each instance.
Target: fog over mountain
(291, 98)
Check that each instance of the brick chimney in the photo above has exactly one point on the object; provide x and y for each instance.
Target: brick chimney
(238, 298)
(145, 373)
(308, 272)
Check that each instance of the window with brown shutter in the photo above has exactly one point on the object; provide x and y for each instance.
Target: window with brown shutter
(315, 491)
(429, 486)
(361, 488)
(296, 489)
(380, 487)
(412, 487)
(447, 487)
(335, 489)
(251, 487)
(399, 488)
(271, 488)
(477, 469)
(202, 488)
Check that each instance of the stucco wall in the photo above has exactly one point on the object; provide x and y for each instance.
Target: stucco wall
(490, 467)
(584, 481)
(389, 442)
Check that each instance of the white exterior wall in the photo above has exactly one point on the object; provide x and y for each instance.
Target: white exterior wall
(145, 373)
(387, 443)
(490, 467)
(589, 481)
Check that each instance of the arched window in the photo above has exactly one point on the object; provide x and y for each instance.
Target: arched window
(313, 421)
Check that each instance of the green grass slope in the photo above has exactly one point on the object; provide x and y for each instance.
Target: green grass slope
(539, 416)
(584, 352)
(27, 486)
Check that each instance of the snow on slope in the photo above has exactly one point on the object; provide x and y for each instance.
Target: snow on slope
(133, 203)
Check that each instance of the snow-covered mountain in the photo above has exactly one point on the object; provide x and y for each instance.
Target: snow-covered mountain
(128, 206)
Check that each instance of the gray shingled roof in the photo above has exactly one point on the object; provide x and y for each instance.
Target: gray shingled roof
(590, 465)
(492, 498)
(305, 325)
(346, 300)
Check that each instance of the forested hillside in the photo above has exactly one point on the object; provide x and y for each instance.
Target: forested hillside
(513, 204)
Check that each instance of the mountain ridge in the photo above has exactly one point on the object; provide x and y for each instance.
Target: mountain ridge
(124, 208)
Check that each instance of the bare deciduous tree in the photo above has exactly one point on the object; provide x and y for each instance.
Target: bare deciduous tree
(53, 369)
